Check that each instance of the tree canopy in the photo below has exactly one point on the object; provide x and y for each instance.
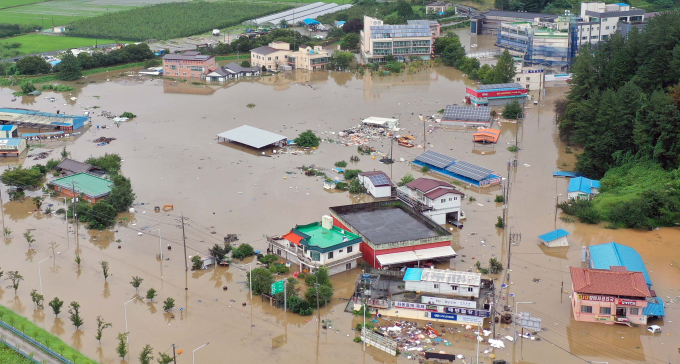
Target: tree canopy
(33, 65)
(22, 177)
(308, 139)
(69, 68)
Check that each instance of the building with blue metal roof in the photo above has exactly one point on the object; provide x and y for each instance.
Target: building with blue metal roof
(463, 171)
(41, 120)
(9, 131)
(583, 188)
(12, 147)
(555, 238)
(605, 256)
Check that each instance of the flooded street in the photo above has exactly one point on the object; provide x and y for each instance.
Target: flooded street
(172, 158)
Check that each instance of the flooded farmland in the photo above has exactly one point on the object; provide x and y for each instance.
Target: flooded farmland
(172, 157)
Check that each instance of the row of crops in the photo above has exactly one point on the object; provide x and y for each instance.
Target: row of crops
(171, 20)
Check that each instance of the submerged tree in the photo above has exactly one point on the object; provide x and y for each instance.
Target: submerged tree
(74, 311)
(37, 298)
(15, 278)
(168, 304)
(122, 348)
(146, 356)
(29, 238)
(150, 294)
(136, 282)
(56, 304)
(101, 325)
(105, 269)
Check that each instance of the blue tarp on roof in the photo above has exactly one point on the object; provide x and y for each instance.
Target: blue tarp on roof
(583, 184)
(654, 309)
(54, 63)
(604, 256)
(566, 174)
(340, 23)
(413, 274)
(310, 21)
(7, 127)
(553, 235)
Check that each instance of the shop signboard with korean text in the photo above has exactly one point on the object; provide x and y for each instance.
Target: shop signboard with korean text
(627, 302)
(415, 306)
(448, 302)
(457, 318)
(467, 311)
(590, 297)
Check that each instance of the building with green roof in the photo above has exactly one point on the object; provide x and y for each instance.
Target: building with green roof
(319, 244)
(91, 187)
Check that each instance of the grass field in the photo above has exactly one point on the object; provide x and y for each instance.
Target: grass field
(9, 356)
(38, 334)
(61, 12)
(12, 3)
(36, 43)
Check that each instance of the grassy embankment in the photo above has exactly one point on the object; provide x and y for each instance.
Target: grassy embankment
(38, 334)
(53, 78)
(9, 356)
(36, 43)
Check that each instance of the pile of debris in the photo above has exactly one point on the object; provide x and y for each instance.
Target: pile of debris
(362, 135)
(41, 155)
(103, 140)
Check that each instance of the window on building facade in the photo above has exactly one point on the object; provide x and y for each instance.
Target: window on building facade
(184, 73)
(173, 67)
(528, 78)
(634, 311)
(348, 266)
(586, 309)
(607, 27)
(443, 200)
(454, 288)
(349, 249)
(470, 289)
(269, 58)
(330, 255)
(594, 37)
(316, 256)
(455, 198)
(584, 38)
(519, 78)
(605, 310)
(436, 285)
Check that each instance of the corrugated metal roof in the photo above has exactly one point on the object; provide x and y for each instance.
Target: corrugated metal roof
(254, 137)
(86, 183)
(74, 166)
(467, 113)
(604, 256)
(7, 127)
(499, 86)
(10, 142)
(556, 234)
(655, 308)
(582, 184)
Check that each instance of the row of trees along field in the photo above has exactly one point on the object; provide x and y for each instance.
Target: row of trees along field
(171, 20)
(623, 109)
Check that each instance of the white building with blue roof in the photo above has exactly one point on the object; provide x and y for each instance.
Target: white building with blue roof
(555, 238)
(582, 188)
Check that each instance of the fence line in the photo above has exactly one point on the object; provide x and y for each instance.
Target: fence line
(19, 351)
(35, 343)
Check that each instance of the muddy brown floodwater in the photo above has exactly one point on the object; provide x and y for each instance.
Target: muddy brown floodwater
(171, 155)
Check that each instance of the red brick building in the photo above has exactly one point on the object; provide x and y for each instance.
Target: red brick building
(191, 64)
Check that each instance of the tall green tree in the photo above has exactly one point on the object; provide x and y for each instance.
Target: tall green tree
(74, 315)
(504, 70)
(262, 279)
(69, 68)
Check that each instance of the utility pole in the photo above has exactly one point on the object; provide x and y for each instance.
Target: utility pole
(174, 356)
(424, 137)
(316, 276)
(186, 265)
(75, 210)
(515, 238)
(493, 313)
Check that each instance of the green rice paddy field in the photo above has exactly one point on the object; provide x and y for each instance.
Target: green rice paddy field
(36, 43)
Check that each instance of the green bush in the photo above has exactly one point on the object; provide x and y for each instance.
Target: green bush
(341, 164)
(499, 198)
(424, 169)
(109, 162)
(512, 110)
(242, 251)
(351, 173)
(279, 268)
(500, 223)
(307, 139)
(356, 187)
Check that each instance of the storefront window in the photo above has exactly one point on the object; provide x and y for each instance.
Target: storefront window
(587, 309)
(634, 311)
(605, 310)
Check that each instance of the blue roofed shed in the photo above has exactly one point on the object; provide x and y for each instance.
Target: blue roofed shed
(310, 21)
(555, 238)
(605, 256)
(655, 308)
(582, 188)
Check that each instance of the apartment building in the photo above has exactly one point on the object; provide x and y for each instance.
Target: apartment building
(309, 58)
(401, 41)
(599, 21)
(190, 64)
(271, 56)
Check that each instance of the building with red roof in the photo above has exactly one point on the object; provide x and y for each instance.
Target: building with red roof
(438, 200)
(609, 296)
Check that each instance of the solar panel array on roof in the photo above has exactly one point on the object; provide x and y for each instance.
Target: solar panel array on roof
(435, 159)
(499, 85)
(467, 113)
(469, 170)
(379, 180)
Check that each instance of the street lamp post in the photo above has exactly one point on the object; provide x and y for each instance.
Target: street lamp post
(126, 324)
(250, 278)
(40, 272)
(514, 341)
(193, 353)
(160, 249)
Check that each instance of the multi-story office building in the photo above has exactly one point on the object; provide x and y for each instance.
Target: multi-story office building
(599, 21)
(541, 44)
(401, 41)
